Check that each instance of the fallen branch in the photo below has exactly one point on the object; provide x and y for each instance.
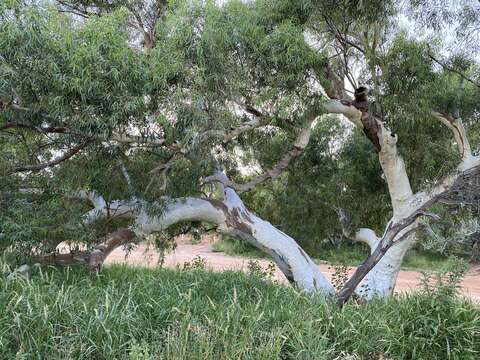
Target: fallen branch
(93, 258)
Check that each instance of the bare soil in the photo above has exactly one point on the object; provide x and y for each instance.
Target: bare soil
(217, 261)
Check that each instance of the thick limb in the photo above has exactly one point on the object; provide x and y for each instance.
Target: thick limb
(381, 269)
(93, 258)
(380, 280)
(231, 217)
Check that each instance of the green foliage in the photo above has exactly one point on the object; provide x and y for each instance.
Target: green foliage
(146, 314)
(446, 283)
(90, 78)
(233, 247)
(25, 225)
(461, 18)
(458, 235)
(324, 178)
(83, 76)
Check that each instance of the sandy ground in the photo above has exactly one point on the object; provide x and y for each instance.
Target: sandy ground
(143, 256)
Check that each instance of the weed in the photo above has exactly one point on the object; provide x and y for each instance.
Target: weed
(255, 269)
(197, 263)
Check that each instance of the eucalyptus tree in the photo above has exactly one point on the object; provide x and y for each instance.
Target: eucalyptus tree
(117, 117)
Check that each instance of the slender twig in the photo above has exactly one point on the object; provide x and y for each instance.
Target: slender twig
(56, 161)
(452, 69)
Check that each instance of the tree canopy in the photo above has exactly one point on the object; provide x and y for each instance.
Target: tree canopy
(146, 100)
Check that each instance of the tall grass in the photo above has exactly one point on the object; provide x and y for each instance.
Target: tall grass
(136, 313)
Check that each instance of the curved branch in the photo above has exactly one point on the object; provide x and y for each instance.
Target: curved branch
(56, 161)
(367, 236)
(364, 235)
(232, 218)
(295, 151)
(93, 258)
(341, 107)
(459, 132)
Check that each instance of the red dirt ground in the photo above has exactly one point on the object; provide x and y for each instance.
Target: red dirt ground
(143, 256)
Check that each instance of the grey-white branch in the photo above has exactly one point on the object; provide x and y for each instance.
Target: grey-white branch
(380, 281)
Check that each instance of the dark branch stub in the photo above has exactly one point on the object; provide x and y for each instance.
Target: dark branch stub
(370, 123)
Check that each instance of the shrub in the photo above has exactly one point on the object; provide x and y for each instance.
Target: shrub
(197, 263)
(255, 269)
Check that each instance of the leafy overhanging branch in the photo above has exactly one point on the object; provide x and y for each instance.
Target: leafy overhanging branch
(226, 136)
(452, 69)
(294, 152)
(116, 137)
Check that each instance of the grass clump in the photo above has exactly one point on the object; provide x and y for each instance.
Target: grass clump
(134, 313)
(235, 247)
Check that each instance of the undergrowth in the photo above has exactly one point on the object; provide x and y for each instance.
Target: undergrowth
(348, 254)
(135, 313)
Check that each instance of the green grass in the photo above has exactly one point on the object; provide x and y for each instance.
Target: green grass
(132, 313)
(424, 260)
(234, 247)
(350, 255)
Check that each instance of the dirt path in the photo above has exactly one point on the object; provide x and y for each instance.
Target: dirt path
(141, 256)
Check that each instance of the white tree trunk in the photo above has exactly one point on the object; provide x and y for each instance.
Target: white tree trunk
(381, 280)
(232, 218)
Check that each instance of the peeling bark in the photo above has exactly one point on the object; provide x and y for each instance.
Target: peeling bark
(380, 281)
(381, 268)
